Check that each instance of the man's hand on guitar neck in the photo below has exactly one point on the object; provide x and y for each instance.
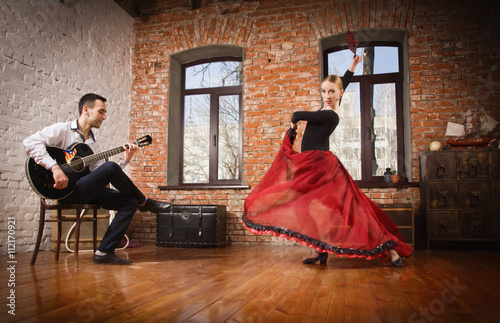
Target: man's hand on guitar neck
(130, 150)
(60, 179)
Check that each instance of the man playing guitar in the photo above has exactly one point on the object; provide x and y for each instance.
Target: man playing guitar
(92, 186)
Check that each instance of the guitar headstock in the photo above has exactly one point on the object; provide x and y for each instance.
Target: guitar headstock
(144, 141)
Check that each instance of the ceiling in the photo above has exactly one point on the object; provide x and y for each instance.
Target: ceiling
(141, 8)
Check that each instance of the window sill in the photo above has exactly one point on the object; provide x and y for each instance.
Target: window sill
(203, 187)
(388, 185)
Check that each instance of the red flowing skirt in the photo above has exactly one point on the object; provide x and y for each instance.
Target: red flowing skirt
(310, 198)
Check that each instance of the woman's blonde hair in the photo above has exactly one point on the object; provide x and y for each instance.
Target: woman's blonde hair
(334, 79)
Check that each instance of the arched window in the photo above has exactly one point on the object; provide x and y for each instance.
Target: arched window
(206, 119)
(371, 133)
(212, 122)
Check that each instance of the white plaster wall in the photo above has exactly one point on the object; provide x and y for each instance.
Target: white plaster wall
(50, 55)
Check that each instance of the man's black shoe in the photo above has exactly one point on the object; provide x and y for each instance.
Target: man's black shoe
(110, 259)
(155, 206)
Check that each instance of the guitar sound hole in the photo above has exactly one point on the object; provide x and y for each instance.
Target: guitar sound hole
(77, 164)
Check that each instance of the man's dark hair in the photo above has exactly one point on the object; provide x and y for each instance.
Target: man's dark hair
(89, 100)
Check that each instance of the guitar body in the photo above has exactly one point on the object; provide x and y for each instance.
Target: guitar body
(74, 162)
(41, 179)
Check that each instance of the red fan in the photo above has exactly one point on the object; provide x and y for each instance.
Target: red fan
(351, 40)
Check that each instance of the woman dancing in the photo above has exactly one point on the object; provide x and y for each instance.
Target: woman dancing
(310, 197)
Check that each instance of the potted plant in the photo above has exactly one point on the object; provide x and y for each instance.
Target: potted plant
(395, 178)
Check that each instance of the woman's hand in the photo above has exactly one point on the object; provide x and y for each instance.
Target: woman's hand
(355, 61)
(293, 126)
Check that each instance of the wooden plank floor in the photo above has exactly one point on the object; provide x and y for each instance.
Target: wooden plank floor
(253, 284)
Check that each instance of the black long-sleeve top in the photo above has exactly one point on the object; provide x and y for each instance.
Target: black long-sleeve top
(320, 124)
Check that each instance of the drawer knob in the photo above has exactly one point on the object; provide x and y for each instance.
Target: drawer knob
(442, 230)
(473, 168)
(474, 198)
(441, 171)
(443, 198)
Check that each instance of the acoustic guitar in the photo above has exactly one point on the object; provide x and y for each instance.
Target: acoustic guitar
(74, 162)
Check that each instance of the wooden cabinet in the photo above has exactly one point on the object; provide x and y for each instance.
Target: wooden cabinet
(403, 217)
(460, 193)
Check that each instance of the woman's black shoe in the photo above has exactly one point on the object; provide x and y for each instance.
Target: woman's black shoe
(398, 262)
(322, 257)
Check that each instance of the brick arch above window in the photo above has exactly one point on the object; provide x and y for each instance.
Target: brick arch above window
(344, 16)
(209, 32)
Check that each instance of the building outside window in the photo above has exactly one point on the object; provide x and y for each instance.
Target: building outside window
(369, 138)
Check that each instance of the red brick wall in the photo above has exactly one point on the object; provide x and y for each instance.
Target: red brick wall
(453, 53)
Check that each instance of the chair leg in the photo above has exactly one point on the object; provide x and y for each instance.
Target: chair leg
(59, 229)
(95, 231)
(79, 214)
(40, 233)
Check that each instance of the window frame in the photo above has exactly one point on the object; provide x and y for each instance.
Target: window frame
(365, 81)
(215, 93)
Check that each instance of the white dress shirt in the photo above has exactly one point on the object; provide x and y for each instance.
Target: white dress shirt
(62, 135)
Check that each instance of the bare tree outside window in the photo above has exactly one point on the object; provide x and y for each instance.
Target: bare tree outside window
(196, 138)
(345, 140)
(212, 123)
(366, 140)
(213, 74)
(384, 124)
(229, 116)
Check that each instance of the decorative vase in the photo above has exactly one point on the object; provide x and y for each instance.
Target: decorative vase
(387, 175)
(435, 146)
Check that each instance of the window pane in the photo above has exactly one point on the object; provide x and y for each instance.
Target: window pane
(384, 140)
(214, 74)
(196, 138)
(376, 60)
(345, 142)
(386, 60)
(229, 137)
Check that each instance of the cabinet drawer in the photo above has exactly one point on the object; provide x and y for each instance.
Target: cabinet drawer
(495, 165)
(438, 166)
(474, 195)
(442, 196)
(474, 165)
(443, 225)
(403, 218)
(477, 225)
(496, 196)
(496, 225)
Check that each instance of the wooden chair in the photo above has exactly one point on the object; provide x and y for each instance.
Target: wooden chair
(80, 210)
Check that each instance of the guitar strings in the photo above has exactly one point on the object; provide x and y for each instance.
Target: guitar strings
(93, 158)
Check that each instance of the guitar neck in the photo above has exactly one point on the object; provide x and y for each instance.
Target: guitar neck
(92, 159)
